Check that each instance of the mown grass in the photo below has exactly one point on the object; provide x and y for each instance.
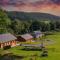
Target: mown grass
(53, 50)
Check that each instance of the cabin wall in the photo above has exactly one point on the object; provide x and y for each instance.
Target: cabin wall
(29, 40)
(9, 43)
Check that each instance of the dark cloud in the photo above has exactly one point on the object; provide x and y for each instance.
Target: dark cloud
(55, 1)
(11, 2)
(34, 2)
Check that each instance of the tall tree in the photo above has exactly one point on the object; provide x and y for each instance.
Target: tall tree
(4, 21)
(53, 25)
(35, 26)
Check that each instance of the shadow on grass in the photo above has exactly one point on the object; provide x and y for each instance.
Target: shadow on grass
(11, 57)
(32, 49)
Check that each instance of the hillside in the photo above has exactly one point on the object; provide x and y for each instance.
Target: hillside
(20, 22)
(32, 16)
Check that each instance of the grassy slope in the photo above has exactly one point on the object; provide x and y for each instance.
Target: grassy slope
(53, 50)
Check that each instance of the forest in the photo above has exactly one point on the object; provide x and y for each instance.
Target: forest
(20, 24)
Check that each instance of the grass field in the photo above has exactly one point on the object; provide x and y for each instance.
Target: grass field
(53, 50)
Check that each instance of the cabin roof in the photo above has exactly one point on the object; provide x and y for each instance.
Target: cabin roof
(6, 37)
(27, 36)
(37, 32)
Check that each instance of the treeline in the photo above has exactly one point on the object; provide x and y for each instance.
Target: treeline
(17, 26)
(20, 27)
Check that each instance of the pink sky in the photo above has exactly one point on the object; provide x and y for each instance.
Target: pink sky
(44, 6)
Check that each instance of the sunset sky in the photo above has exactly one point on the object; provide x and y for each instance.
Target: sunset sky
(44, 6)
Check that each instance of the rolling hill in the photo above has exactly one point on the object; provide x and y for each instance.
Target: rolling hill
(32, 16)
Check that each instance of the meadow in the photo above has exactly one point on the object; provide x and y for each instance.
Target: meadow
(53, 50)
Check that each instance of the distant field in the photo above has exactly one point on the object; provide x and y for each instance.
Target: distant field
(53, 50)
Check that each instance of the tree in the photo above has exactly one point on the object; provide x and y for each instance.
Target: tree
(35, 26)
(4, 21)
(27, 25)
(53, 25)
(58, 24)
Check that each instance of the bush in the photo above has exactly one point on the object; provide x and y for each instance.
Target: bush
(6, 47)
(44, 54)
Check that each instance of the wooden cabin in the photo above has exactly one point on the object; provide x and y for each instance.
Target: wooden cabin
(37, 34)
(7, 40)
(25, 38)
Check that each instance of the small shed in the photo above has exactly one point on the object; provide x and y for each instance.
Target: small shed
(7, 40)
(25, 38)
(37, 34)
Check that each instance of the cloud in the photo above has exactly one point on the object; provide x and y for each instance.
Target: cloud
(36, 2)
(46, 6)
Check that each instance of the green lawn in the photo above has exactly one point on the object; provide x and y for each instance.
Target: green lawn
(53, 50)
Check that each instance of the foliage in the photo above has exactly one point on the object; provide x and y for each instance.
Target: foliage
(4, 21)
(20, 26)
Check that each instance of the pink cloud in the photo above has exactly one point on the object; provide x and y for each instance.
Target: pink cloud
(46, 6)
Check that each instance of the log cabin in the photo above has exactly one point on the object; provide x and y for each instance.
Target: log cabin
(7, 40)
(37, 34)
(25, 38)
